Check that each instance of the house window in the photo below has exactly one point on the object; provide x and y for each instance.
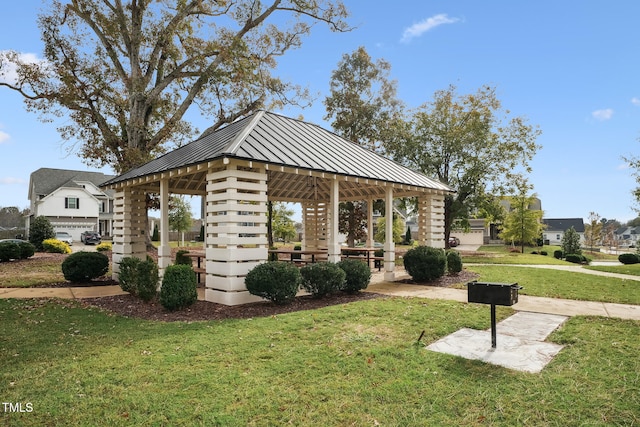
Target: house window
(71, 203)
(557, 237)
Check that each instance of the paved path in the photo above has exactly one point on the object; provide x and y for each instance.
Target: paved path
(525, 303)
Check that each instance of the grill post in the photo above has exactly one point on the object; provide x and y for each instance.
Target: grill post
(493, 326)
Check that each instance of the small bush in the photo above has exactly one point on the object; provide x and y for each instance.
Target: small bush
(424, 263)
(104, 247)
(454, 262)
(534, 252)
(357, 275)
(276, 281)
(544, 253)
(56, 246)
(297, 256)
(183, 259)
(629, 258)
(322, 278)
(27, 250)
(577, 259)
(557, 254)
(138, 277)
(148, 279)
(83, 266)
(9, 251)
(179, 287)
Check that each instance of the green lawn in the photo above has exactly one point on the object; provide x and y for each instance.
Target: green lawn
(355, 364)
(562, 284)
(632, 269)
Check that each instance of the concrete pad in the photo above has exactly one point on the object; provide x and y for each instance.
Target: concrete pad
(96, 291)
(623, 311)
(530, 326)
(519, 342)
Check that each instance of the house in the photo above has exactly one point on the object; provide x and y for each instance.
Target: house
(72, 200)
(627, 236)
(556, 227)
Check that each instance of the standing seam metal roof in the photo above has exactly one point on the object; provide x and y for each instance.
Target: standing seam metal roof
(274, 139)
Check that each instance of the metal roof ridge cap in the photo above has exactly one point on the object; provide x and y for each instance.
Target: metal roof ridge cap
(233, 146)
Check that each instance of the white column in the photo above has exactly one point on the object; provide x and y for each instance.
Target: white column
(129, 226)
(164, 251)
(389, 245)
(370, 238)
(431, 220)
(236, 231)
(334, 246)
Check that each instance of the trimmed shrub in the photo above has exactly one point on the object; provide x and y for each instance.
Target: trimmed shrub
(322, 278)
(104, 247)
(454, 262)
(424, 263)
(148, 279)
(276, 281)
(577, 259)
(9, 251)
(357, 275)
(56, 246)
(544, 253)
(83, 266)
(138, 277)
(179, 287)
(27, 250)
(297, 256)
(534, 252)
(183, 259)
(629, 258)
(557, 254)
(40, 230)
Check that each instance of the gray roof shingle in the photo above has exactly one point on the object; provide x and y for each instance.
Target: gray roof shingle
(44, 181)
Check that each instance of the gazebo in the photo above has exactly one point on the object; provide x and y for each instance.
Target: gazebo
(267, 157)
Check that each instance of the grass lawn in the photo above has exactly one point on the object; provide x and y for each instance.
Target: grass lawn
(356, 364)
(562, 284)
(632, 269)
(501, 254)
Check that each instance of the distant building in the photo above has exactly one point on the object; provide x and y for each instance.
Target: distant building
(556, 227)
(71, 200)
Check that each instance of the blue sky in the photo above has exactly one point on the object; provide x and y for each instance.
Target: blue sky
(570, 67)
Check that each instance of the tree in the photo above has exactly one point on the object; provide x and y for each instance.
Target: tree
(283, 226)
(352, 221)
(126, 73)
(362, 101)
(398, 228)
(41, 230)
(465, 142)
(522, 224)
(571, 242)
(593, 230)
(407, 236)
(180, 215)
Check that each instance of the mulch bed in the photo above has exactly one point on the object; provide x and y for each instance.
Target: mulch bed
(129, 306)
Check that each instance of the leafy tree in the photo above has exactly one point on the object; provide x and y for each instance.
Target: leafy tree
(593, 230)
(180, 215)
(352, 221)
(41, 230)
(468, 142)
(398, 229)
(522, 224)
(571, 242)
(127, 72)
(362, 101)
(283, 226)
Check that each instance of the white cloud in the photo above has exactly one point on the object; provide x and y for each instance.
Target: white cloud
(8, 72)
(602, 115)
(416, 30)
(4, 137)
(11, 181)
(635, 101)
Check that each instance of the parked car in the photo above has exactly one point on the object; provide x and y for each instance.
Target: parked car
(453, 242)
(90, 238)
(65, 237)
(16, 241)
